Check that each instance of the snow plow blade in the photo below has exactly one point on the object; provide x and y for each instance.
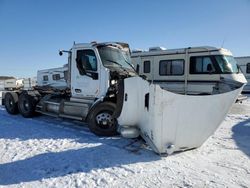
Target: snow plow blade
(171, 122)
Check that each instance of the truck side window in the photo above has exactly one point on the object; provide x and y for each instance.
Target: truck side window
(248, 68)
(171, 67)
(88, 58)
(201, 65)
(146, 66)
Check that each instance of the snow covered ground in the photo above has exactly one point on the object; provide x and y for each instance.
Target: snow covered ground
(50, 152)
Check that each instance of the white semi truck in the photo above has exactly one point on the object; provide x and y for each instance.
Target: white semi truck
(104, 90)
(95, 70)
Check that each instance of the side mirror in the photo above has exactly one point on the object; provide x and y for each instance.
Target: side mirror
(60, 53)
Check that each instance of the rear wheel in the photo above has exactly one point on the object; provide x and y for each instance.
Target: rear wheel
(10, 104)
(26, 105)
(101, 121)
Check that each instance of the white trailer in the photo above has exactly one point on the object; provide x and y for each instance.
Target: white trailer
(15, 84)
(10, 84)
(104, 89)
(244, 63)
(193, 70)
(6, 84)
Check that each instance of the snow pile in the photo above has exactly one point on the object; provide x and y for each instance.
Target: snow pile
(49, 152)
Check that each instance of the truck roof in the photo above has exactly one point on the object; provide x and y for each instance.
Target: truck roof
(81, 45)
(160, 51)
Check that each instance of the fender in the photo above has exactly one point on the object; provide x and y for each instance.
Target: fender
(98, 101)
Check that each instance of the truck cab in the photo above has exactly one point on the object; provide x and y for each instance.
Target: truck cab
(94, 71)
(95, 68)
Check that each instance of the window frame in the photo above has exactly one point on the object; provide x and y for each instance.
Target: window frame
(91, 71)
(171, 60)
(214, 63)
(56, 77)
(47, 78)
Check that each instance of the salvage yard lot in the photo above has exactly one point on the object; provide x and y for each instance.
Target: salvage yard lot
(51, 152)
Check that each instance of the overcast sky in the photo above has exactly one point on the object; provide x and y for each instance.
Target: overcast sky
(32, 31)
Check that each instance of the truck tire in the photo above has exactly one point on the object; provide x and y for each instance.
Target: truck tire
(10, 104)
(26, 105)
(101, 121)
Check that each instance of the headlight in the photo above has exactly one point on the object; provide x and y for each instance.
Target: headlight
(113, 82)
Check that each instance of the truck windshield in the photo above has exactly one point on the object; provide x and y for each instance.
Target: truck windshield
(114, 57)
(227, 64)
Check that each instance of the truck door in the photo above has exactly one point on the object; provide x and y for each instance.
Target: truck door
(85, 74)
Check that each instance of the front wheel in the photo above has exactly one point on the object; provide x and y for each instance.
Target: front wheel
(101, 121)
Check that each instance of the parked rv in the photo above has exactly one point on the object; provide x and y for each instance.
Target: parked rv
(194, 70)
(244, 63)
(55, 77)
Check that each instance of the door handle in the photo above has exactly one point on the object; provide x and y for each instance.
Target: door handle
(78, 90)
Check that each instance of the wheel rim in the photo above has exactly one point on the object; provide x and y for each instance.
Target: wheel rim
(26, 105)
(105, 120)
(10, 102)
